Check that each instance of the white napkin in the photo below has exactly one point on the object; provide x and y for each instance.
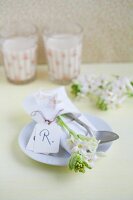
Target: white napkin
(35, 102)
(41, 106)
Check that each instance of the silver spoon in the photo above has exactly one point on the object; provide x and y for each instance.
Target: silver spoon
(103, 136)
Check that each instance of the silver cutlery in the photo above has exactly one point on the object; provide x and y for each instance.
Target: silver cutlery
(103, 135)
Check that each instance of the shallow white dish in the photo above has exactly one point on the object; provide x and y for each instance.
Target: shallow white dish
(61, 158)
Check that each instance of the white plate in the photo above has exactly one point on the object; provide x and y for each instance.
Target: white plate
(61, 158)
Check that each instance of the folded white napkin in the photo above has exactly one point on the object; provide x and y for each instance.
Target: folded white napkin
(44, 106)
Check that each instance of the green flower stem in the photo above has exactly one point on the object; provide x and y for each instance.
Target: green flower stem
(71, 132)
(65, 126)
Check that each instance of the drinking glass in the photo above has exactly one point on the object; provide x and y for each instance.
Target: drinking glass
(63, 45)
(18, 46)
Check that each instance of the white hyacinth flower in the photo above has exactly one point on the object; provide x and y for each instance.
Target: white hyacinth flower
(110, 92)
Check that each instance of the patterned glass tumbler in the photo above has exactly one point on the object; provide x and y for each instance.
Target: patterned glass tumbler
(63, 45)
(19, 46)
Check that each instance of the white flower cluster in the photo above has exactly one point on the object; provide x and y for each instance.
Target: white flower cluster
(85, 146)
(110, 92)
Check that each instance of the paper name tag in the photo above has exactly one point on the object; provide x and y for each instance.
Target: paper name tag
(30, 145)
(45, 138)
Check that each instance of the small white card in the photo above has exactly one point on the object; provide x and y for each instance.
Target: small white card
(30, 145)
(45, 138)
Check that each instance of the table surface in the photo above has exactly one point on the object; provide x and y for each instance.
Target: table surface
(24, 179)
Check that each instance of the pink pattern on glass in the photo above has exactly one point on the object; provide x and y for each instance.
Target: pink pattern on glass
(49, 52)
(9, 64)
(74, 54)
(20, 67)
(69, 65)
(28, 73)
(33, 62)
(63, 55)
(25, 57)
(57, 62)
(14, 57)
(17, 78)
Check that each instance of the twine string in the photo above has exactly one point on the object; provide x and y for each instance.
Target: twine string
(34, 113)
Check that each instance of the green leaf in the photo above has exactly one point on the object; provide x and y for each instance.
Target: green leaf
(75, 89)
(100, 87)
(130, 94)
(101, 104)
(87, 165)
(131, 83)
